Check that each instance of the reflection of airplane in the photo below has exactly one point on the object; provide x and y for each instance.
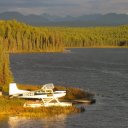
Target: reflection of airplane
(46, 94)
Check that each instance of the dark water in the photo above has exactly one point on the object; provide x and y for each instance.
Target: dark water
(102, 71)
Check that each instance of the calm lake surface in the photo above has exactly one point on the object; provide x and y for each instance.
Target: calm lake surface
(102, 71)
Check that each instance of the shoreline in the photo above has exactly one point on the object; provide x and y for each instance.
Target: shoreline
(65, 50)
(14, 106)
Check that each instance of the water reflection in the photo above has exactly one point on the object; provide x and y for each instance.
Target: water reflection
(3, 121)
(23, 122)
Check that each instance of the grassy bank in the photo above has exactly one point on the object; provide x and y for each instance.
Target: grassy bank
(14, 106)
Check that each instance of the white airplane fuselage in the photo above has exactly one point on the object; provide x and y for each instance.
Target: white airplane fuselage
(34, 95)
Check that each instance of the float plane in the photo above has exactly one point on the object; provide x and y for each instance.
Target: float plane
(46, 94)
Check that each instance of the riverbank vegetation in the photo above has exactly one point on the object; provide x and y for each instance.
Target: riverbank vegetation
(19, 37)
(5, 73)
(15, 107)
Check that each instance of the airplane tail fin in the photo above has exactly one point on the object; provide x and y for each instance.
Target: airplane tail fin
(13, 90)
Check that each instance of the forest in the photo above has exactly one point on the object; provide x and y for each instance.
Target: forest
(18, 37)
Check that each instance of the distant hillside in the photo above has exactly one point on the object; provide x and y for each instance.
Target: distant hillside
(84, 20)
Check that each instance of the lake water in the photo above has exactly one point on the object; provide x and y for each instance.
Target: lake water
(102, 71)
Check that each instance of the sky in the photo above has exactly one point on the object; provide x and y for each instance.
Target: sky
(65, 7)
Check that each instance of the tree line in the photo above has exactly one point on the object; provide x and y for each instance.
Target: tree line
(20, 37)
(5, 72)
(95, 36)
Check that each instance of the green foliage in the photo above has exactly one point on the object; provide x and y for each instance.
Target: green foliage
(5, 73)
(20, 37)
(95, 36)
